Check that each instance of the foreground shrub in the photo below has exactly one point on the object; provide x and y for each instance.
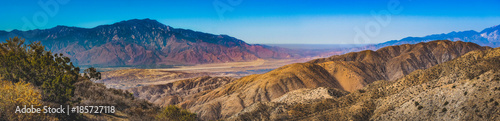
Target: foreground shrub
(19, 94)
(90, 93)
(54, 73)
(57, 81)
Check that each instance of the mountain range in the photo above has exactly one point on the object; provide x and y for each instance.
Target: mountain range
(144, 42)
(487, 37)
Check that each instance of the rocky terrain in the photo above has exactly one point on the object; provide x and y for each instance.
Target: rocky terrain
(179, 91)
(145, 43)
(306, 95)
(466, 88)
(348, 72)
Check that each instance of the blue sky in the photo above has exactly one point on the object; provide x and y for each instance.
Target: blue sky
(267, 21)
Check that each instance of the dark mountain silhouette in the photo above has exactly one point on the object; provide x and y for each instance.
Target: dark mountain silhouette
(144, 42)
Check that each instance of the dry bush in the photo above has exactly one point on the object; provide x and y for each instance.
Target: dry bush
(88, 93)
(19, 94)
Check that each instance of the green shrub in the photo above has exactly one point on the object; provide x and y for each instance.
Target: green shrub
(173, 113)
(60, 83)
(444, 110)
(19, 94)
(55, 74)
(91, 73)
(420, 107)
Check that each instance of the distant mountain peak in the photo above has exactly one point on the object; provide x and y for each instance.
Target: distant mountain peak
(487, 37)
(491, 29)
(140, 24)
(140, 21)
(62, 27)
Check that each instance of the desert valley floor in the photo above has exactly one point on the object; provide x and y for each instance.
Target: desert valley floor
(124, 78)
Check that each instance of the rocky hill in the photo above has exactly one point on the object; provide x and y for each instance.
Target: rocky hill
(144, 42)
(466, 88)
(347, 72)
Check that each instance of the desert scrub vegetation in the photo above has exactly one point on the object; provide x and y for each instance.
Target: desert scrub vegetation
(174, 113)
(54, 73)
(33, 75)
(19, 94)
(90, 93)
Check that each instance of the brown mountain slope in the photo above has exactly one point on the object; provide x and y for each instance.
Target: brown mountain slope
(355, 70)
(467, 88)
(233, 97)
(348, 72)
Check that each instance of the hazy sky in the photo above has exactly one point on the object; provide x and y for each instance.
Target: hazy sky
(267, 21)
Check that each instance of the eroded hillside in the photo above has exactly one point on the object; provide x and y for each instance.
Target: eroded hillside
(348, 72)
(179, 91)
